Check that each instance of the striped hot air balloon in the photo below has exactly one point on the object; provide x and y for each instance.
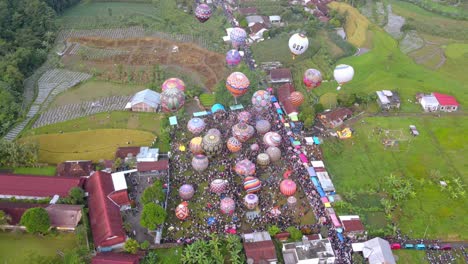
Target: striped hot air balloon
(288, 187)
(252, 184)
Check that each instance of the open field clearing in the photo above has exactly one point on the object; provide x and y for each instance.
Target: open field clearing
(143, 53)
(48, 170)
(87, 145)
(16, 248)
(457, 62)
(361, 163)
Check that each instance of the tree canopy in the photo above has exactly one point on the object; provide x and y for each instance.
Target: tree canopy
(131, 246)
(152, 216)
(14, 154)
(36, 220)
(153, 193)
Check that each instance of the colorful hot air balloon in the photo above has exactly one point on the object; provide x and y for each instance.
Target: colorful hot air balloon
(288, 187)
(233, 58)
(200, 162)
(196, 145)
(182, 211)
(172, 100)
(203, 12)
(343, 73)
(186, 192)
(238, 37)
(214, 131)
(251, 201)
(261, 100)
(291, 201)
(196, 125)
(254, 147)
(218, 186)
(262, 126)
(237, 84)
(298, 44)
(263, 159)
(227, 205)
(245, 168)
(274, 153)
(212, 144)
(296, 98)
(272, 139)
(244, 117)
(234, 145)
(252, 184)
(243, 131)
(312, 78)
(173, 83)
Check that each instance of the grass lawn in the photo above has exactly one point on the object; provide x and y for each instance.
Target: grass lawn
(93, 90)
(48, 171)
(90, 145)
(169, 255)
(16, 247)
(360, 164)
(457, 63)
(410, 256)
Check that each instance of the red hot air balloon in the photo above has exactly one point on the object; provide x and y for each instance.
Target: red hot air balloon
(288, 187)
(173, 83)
(237, 84)
(203, 12)
(296, 98)
(312, 78)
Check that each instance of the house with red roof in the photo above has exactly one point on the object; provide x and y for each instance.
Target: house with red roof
(36, 187)
(104, 211)
(283, 97)
(447, 103)
(152, 166)
(280, 76)
(353, 227)
(259, 248)
(75, 168)
(115, 258)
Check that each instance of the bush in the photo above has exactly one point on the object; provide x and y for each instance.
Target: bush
(36, 220)
(145, 245)
(273, 230)
(131, 246)
(295, 234)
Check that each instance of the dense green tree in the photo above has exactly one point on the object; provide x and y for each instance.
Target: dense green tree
(273, 230)
(4, 218)
(36, 220)
(150, 258)
(14, 154)
(131, 246)
(152, 216)
(295, 234)
(76, 195)
(145, 245)
(153, 193)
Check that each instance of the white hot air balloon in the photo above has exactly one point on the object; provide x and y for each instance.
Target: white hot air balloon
(298, 44)
(343, 73)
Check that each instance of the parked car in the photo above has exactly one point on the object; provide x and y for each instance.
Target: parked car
(434, 247)
(409, 246)
(446, 247)
(395, 246)
(420, 247)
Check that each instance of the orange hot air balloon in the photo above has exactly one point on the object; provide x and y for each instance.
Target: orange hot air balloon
(237, 84)
(296, 98)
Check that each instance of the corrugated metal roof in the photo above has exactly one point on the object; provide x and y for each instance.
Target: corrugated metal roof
(148, 97)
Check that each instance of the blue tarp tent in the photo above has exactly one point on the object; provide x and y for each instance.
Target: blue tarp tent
(217, 107)
(321, 192)
(316, 140)
(311, 171)
(273, 99)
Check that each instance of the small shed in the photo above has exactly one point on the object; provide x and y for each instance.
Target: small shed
(146, 101)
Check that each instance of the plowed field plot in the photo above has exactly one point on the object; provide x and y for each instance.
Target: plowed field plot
(141, 54)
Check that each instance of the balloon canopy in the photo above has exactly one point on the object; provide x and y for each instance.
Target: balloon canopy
(234, 145)
(263, 159)
(217, 107)
(233, 58)
(186, 192)
(272, 139)
(200, 162)
(262, 126)
(244, 117)
(173, 83)
(296, 98)
(291, 200)
(214, 131)
(251, 201)
(254, 147)
(196, 145)
(274, 153)
(172, 100)
(288, 187)
(298, 44)
(196, 125)
(203, 12)
(238, 36)
(245, 168)
(182, 211)
(261, 100)
(227, 205)
(312, 78)
(343, 73)
(212, 144)
(218, 186)
(252, 184)
(243, 131)
(237, 84)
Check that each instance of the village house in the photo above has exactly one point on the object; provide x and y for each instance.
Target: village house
(75, 168)
(126, 152)
(147, 154)
(152, 166)
(115, 258)
(280, 76)
(256, 32)
(308, 251)
(35, 186)
(251, 20)
(388, 99)
(378, 251)
(447, 103)
(334, 118)
(353, 227)
(428, 102)
(259, 248)
(145, 101)
(275, 20)
(63, 217)
(104, 211)
(247, 11)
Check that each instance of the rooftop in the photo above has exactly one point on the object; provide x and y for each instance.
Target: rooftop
(115, 258)
(124, 152)
(36, 186)
(377, 250)
(153, 165)
(75, 168)
(148, 97)
(278, 74)
(309, 249)
(446, 100)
